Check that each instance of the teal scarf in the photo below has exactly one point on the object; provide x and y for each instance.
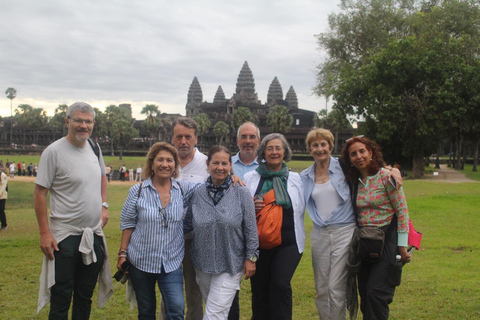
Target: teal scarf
(276, 180)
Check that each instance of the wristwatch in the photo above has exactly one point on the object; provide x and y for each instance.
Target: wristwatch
(253, 258)
(105, 205)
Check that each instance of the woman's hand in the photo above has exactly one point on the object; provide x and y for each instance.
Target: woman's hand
(405, 256)
(121, 260)
(258, 201)
(249, 269)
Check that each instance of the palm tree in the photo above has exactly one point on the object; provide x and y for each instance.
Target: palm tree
(11, 94)
(279, 120)
(151, 123)
(220, 129)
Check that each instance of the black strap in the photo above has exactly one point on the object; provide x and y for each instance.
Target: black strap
(95, 147)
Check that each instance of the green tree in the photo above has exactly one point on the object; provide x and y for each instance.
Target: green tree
(335, 120)
(57, 122)
(203, 124)
(279, 120)
(112, 115)
(151, 123)
(220, 129)
(31, 118)
(11, 94)
(399, 67)
(241, 115)
(123, 132)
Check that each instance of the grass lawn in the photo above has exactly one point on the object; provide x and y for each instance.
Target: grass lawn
(441, 283)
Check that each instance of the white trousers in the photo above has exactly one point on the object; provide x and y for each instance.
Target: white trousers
(330, 247)
(218, 291)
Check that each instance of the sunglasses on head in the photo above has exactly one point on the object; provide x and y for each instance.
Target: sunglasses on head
(360, 136)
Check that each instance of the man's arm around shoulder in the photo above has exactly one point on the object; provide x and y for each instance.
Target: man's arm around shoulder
(46, 238)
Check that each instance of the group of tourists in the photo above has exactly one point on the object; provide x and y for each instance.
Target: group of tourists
(197, 224)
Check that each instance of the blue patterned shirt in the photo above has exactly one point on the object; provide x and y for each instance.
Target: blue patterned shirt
(157, 240)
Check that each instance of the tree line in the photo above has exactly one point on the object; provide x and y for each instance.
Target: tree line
(410, 71)
(116, 125)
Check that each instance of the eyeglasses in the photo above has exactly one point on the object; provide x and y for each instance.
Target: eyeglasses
(360, 136)
(276, 148)
(163, 213)
(81, 121)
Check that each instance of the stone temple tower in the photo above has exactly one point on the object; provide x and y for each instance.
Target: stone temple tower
(291, 99)
(194, 98)
(275, 93)
(245, 91)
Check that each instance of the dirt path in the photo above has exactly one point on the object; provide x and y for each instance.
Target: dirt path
(444, 174)
(448, 175)
(32, 179)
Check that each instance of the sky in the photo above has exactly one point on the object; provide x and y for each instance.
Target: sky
(142, 52)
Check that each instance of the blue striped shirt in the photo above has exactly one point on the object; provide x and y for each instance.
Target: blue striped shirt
(157, 240)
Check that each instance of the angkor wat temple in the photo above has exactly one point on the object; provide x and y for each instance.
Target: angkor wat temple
(222, 109)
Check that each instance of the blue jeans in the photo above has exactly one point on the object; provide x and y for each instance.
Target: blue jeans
(171, 288)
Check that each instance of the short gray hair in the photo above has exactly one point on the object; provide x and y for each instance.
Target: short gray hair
(248, 122)
(82, 107)
(186, 122)
(286, 147)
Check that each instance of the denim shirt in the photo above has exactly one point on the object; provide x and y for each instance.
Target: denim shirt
(240, 169)
(343, 213)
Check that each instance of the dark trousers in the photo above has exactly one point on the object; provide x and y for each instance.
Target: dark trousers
(3, 217)
(377, 281)
(72, 276)
(234, 313)
(271, 289)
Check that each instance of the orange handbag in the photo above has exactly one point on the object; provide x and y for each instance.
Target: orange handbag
(269, 222)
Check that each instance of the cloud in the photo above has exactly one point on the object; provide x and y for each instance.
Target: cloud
(114, 51)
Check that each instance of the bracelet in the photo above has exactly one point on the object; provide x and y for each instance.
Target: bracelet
(122, 253)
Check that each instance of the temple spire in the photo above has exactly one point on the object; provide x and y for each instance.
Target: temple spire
(275, 92)
(291, 98)
(245, 89)
(219, 96)
(195, 94)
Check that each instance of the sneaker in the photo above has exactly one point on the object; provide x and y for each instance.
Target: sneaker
(3, 228)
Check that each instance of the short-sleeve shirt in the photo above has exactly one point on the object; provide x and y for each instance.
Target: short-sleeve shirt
(73, 175)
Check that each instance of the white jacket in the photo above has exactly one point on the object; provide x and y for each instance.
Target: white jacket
(295, 191)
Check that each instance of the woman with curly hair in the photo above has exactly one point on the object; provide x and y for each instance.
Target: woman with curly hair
(380, 205)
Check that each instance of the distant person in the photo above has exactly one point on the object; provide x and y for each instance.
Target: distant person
(130, 174)
(226, 240)
(71, 237)
(108, 172)
(2, 166)
(23, 168)
(19, 169)
(380, 205)
(139, 173)
(123, 171)
(35, 170)
(30, 169)
(3, 199)
(7, 167)
(12, 170)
